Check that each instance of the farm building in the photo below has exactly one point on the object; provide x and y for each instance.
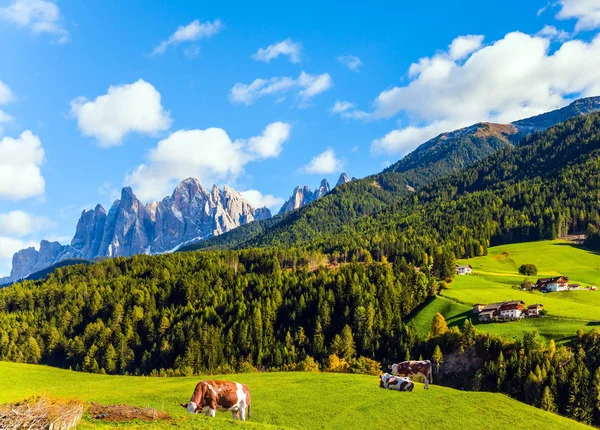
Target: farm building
(464, 270)
(507, 310)
(512, 310)
(534, 310)
(487, 312)
(558, 283)
(477, 308)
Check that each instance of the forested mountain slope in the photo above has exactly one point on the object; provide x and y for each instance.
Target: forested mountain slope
(444, 155)
(546, 187)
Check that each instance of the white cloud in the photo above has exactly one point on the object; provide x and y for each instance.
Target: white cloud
(351, 61)
(20, 161)
(313, 85)
(286, 47)
(513, 78)
(586, 12)
(190, 33)
(38, 15)
(348, 110)
(270, 143)
(9, 245)
(259, 200)
(553, 33)
(324, 163)
(462, 46)
(209, 155)
(406, 139)
(124, 109)
(6, 95)
(307, 85)
(18, 223)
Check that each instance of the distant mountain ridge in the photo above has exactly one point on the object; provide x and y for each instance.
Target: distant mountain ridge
(455, 150)
(191, 213)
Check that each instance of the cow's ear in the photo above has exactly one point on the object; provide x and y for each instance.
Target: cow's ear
(183, 405)
(381, 376)
(390, 367)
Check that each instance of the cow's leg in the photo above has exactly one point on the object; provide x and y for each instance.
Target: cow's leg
(235, 414)
(243, 413)
(427, 382)
(211, 412)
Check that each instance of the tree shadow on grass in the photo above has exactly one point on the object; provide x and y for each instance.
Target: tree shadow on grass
(458, 320)
(576, 246)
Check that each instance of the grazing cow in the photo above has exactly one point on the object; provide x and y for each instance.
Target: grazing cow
(212, 396)
(397, 383)
(409, 368)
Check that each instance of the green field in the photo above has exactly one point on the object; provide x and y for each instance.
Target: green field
(495, 275)
(285, 400)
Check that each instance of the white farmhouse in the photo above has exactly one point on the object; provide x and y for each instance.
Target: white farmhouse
(464, 270)
(512, 310)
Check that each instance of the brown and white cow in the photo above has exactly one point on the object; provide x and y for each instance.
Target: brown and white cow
(409, 368)
(224, 396)
(397, 383)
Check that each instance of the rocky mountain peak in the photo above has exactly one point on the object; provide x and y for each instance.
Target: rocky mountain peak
(301, 196)
(130, 227)
(343, 179)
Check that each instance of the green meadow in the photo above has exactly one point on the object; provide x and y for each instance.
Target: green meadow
(496, 275)
(284, 400)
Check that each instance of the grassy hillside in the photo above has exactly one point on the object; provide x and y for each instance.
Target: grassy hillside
(286, 400)
(495, 276)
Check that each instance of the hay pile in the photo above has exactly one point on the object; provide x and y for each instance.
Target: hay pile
(41, 413)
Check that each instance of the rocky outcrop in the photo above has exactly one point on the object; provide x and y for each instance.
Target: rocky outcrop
(89, 232)
(29, 260)
(130, 227)
(343, 179)
(304, 195)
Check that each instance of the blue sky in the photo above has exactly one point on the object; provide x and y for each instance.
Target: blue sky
(263, 97)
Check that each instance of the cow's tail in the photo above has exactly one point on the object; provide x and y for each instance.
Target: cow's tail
(249, 412)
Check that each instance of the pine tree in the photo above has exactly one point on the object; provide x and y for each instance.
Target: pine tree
(596, 395)
(348, 351)
(110, 359)
(439, 326)
(551, 349)
(437, 358)
(548, 403)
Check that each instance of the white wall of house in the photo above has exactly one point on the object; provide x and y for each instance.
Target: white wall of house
(511, 313)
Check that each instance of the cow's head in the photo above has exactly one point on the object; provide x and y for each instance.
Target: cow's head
(191, 407)
(384, 377)
(393, 368)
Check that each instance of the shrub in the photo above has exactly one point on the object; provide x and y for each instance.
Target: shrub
(308, 365)
(528, 269)
(337, 364)
(366, 366)
(246, 367)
